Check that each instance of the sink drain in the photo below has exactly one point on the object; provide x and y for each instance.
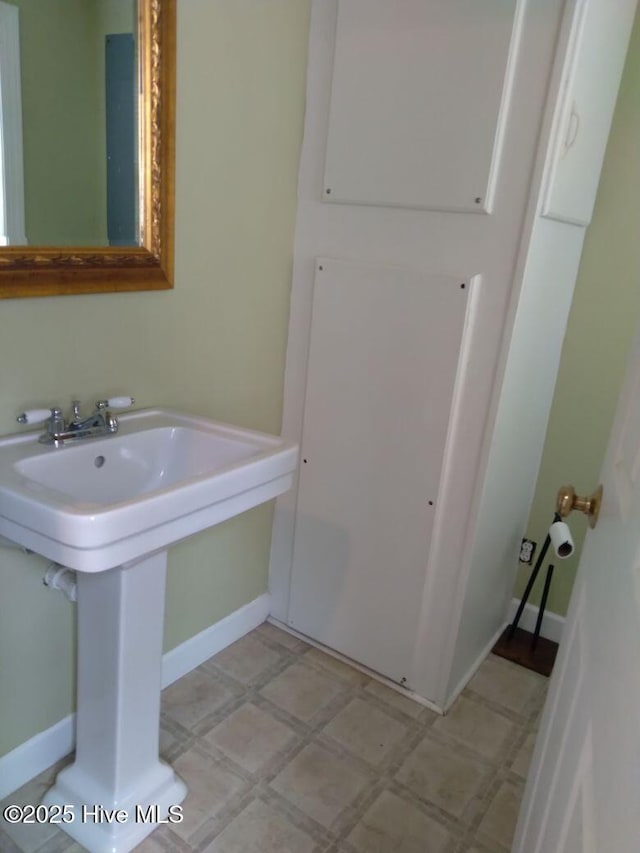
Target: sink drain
(98, 461)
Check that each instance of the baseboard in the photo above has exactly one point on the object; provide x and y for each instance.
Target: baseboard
(44, 749)
(207, 643)
(552, 623)
(36, 754)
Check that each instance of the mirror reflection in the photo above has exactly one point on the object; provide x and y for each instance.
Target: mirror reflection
(76, 64)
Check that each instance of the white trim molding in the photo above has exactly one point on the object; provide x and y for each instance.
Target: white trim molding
(12, 222)
(36, 754)
(207, 643)
(44, 749)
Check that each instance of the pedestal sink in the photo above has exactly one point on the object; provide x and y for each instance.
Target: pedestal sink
(109, 508)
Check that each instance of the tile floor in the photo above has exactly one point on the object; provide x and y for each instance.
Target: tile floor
(286, 750)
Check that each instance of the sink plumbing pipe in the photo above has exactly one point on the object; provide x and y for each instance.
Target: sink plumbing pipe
(57, 577)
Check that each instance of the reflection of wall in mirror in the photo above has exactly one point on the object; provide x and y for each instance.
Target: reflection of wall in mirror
(62, 46)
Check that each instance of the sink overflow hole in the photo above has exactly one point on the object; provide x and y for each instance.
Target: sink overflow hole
(98, 461)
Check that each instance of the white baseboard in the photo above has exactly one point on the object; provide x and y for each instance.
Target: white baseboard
(44, 749)
(207, 643)
(36, 754)
(552, 623)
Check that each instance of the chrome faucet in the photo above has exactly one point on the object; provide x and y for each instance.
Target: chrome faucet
(58, 431)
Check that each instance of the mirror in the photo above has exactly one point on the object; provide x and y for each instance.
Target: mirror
(106, 225)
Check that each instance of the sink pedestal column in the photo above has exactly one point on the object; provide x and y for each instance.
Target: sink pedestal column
(117, 775)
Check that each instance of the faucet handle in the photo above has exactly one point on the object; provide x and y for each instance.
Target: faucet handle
(75, 408)
(37, 416)
(115, 403)
(120, 402)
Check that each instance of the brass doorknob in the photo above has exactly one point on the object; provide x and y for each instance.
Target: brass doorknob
(567, 501)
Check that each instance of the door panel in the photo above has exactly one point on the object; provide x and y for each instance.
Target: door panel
(381, 373)
(397, 136)
(585, 768)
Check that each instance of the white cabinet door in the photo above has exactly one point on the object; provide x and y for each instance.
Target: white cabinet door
(383, 360)
(419, 100)
(593, 69)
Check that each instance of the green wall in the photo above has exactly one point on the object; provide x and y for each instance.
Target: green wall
(214, 345)
(603, 319)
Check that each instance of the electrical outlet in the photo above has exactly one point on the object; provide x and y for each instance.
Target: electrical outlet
(527, 550)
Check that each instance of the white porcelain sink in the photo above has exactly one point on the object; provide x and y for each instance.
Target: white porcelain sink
(109, 508)
(103, 502)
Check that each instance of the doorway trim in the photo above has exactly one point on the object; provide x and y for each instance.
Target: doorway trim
(12, 224)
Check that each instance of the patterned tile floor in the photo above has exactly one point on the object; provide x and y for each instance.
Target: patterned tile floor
(286, 750)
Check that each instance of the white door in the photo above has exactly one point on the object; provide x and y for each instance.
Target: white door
(583, 792)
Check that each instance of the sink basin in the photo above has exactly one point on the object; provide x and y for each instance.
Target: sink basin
(143, 462)
(103, 502)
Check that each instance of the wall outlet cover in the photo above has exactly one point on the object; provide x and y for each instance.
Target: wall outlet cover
(527, 550)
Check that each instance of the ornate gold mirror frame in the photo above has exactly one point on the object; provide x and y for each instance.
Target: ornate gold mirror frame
(47, 271)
